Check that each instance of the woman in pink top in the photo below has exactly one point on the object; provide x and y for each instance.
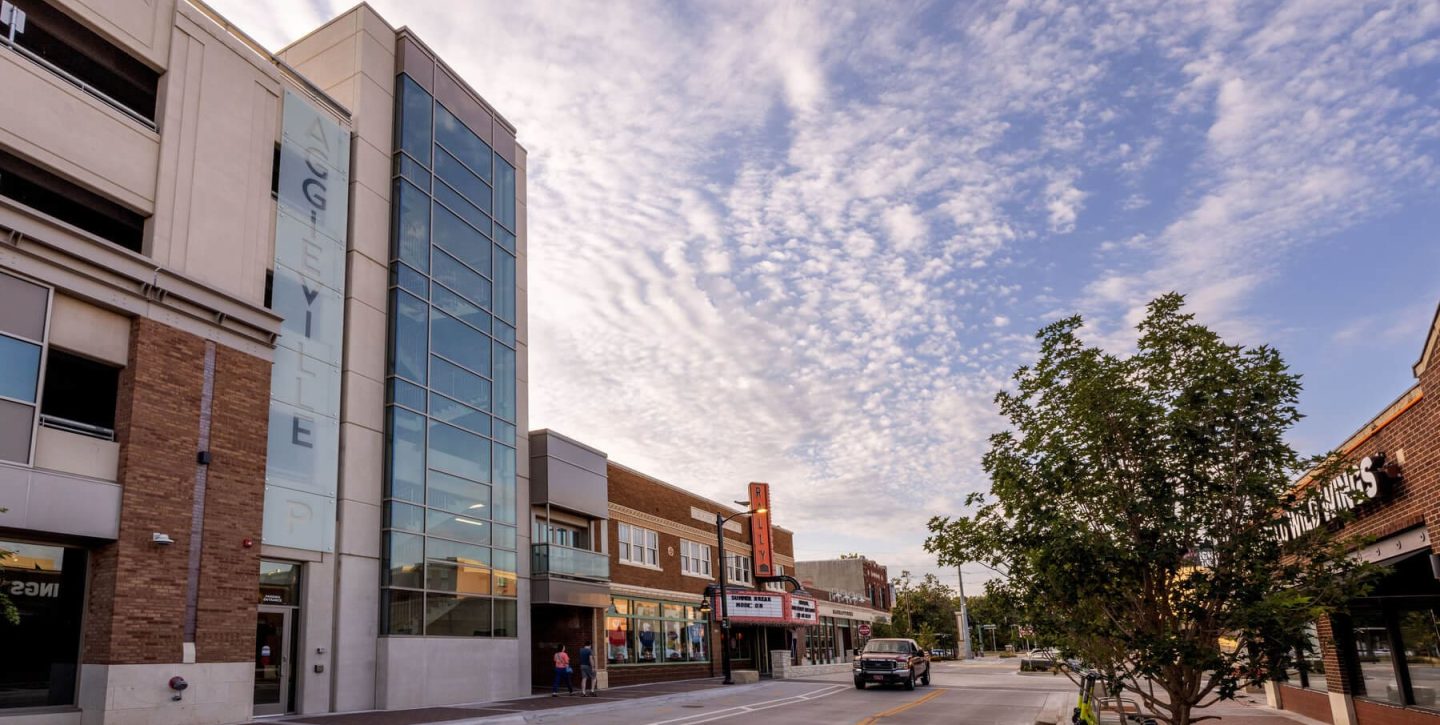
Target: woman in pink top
(562, 672)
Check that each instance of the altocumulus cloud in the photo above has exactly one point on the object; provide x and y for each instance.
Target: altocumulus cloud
(794, 242)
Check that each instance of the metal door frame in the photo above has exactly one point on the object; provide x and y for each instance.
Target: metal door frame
(286, 672)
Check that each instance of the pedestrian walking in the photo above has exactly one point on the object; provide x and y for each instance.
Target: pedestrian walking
(589, 687)
(562, 672)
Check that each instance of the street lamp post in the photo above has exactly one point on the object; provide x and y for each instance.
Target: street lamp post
(724, 597)
(964, 619)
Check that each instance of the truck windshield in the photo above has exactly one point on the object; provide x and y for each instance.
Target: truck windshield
(891, 645)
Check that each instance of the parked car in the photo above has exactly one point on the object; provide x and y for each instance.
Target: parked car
(940, 653)
(892, 661)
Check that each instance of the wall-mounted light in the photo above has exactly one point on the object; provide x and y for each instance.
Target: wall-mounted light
(161, 539)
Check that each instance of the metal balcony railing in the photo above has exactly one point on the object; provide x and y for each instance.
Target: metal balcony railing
(556, 560)
(75, 426)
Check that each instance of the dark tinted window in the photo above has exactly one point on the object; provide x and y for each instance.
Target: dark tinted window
(81, 391)
(90, 59)
(49, 194)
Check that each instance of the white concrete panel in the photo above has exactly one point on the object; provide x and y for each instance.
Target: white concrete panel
(58, 503)
(359, 528)
(317, 614)
(141, 28)
(81, 455)
(368, 280)
(364, 402)
(377, 59)
(430, 671)
(218, 693)
(365, 340)
(361, 457)
(319, 40)
(370, 223)
(372, 167)
(91, 331)
(376, 99)
(96, 145)
(356, 629)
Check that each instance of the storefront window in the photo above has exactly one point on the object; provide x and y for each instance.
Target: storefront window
(1307, 668)
(638, 631)
(47, 586)
(1373, 655)
(1420, 631)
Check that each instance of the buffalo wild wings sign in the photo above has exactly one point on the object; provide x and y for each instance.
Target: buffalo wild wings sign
(1370, 479)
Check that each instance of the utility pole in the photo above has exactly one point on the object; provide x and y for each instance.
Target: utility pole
(962, 618)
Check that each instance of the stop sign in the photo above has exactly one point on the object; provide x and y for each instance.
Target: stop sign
(864, 630)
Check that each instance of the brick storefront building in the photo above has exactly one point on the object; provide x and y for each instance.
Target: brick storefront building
(623, 560)
(1379, 662)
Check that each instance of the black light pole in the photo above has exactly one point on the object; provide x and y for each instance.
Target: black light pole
(724, 604)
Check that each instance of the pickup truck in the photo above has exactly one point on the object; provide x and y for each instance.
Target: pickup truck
(891, 661)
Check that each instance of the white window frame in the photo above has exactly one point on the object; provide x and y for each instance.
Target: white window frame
(739, 571)
(638, 546)
(777, 586)
(695, 559)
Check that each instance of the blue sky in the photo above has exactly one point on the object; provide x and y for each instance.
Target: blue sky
(806, 243)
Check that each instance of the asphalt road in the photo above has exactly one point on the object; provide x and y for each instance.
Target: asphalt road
(970, 693)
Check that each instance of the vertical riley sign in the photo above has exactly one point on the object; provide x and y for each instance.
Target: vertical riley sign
(302, 465)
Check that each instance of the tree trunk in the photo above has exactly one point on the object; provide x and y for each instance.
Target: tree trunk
(1181, 713)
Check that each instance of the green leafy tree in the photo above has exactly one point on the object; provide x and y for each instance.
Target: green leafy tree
(1133, 512)
(926, 606)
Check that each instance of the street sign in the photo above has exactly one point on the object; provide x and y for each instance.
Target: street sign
(864, 630)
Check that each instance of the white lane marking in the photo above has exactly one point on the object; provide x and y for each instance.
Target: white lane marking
(742, 709)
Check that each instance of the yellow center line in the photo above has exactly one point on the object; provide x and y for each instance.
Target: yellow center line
(897, 710)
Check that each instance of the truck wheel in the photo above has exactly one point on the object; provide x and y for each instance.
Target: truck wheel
(925, 679)
(910, 682)
(859, 684)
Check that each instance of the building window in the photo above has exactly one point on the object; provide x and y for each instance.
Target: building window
(47, 586)
(22, 348)
(1307, 667)
(574, 537)
(1398, 637)
(82, 58)
(739, 568)
(450, 560)
(638, 546)
(644, 632)
(777, 586)
(51, 195)
(79, 395)
(694, 558)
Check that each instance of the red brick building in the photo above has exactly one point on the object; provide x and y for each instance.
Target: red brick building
(1379, 662)
(623, 560)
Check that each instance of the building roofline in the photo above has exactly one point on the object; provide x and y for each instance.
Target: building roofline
(405, 32)
(549, 432)
(285, 69)
(673, 487)
(1431, 341)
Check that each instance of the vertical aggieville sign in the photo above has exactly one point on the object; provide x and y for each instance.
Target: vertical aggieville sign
(301, 471)
(764, 556)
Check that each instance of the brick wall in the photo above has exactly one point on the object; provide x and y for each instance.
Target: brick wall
(136, 608)
(1379, 713)
(643, 494)
(234, 497)
(1310, 703)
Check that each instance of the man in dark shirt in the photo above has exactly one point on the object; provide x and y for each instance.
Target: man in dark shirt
(587, 672)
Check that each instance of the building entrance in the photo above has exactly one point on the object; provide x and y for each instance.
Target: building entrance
(275, 638)
(273, 675)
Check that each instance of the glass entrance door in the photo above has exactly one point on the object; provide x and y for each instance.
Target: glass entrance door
(272, 660)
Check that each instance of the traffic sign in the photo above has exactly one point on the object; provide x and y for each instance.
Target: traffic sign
(864, 630)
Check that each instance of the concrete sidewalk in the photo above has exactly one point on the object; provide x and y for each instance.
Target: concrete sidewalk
(538, 708)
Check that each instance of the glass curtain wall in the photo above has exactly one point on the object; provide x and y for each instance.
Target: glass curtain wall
(450, 551)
